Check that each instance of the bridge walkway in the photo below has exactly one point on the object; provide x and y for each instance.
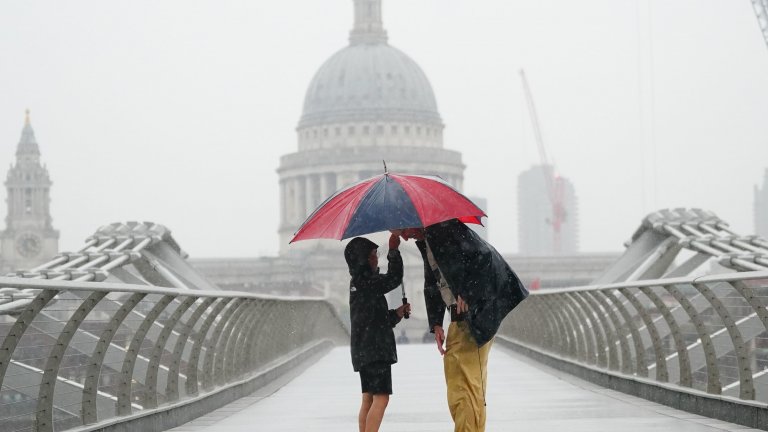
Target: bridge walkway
(522, 396)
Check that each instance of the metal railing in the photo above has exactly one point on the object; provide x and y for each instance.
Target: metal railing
(80, 353)
(708, 334)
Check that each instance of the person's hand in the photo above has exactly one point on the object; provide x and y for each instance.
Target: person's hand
(394, 241)
(439, 338)
(461, 305)
(401, 311)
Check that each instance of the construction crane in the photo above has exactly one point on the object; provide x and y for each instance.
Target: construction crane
(761, 9)
(552, 180)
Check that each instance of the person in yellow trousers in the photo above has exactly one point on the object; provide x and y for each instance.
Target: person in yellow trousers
(466, 275)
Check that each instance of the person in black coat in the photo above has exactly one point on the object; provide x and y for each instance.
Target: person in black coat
(485, 288)
(465, 274)
(372, 339)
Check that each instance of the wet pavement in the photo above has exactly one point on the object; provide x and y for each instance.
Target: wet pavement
(522, 396)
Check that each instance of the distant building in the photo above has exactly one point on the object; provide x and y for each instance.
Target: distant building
(761, 208)
(535, 220)
(29, 238)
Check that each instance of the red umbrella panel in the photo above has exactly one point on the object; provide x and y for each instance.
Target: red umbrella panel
(386, 202)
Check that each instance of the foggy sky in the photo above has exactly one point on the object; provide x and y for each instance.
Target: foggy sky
(177, 112)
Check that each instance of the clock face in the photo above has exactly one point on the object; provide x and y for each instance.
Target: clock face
(28, 244)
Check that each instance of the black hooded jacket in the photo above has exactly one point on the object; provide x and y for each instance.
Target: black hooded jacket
(372, 338)
(475, 271)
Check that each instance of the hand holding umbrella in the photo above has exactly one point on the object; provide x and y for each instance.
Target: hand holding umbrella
(394, 243)
(407, 313)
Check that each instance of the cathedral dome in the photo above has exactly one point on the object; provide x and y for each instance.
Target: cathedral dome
(369, 102)
(369, 80)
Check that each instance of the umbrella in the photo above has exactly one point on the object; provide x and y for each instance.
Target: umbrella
(385, 202)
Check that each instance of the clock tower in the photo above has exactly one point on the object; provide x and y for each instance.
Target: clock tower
(29, 238)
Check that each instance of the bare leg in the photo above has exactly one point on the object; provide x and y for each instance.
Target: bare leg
(365, 406)
(376, 413)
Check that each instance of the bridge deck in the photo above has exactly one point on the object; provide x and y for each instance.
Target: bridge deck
(522, 396)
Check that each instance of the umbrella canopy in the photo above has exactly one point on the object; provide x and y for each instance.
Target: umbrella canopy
(386, 202)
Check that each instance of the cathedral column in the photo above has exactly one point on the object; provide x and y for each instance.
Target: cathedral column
(317, 197)
(298, 196)
(325, 186)
(309, 195)
(283, 197)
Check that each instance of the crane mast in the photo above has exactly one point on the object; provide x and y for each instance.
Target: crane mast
(552, 181)
(761, 10)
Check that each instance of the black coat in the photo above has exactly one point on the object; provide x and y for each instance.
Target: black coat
(372, 338)
(475, 271)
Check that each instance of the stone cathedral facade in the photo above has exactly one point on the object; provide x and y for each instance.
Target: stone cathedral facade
(29, 237)
(368, 103)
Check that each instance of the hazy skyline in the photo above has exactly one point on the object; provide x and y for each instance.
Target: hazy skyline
(177, 112)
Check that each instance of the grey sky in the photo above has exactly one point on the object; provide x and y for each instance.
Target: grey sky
(177, 111)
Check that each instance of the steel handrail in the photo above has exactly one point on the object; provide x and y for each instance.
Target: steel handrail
(725, 277)
(706, 333)
(184, 344)
(12, 282)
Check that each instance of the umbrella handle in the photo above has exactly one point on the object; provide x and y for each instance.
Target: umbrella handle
(407, 314)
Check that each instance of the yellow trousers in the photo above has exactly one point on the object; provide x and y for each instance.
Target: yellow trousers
(466, 377)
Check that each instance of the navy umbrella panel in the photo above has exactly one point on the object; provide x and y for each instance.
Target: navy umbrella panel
(385, 202)
(369, 217)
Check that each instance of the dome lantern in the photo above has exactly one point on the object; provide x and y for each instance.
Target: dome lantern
(368, 27)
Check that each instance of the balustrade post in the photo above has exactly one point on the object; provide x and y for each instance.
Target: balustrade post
(582, 347)
(197, 346)
(44, 416)
(172, 384)
(91, 387)
(746, 385)
(126, 374)
(661, 361)
(641, 367)
(600, 323)
(619, 334)
(150, 396)
(225, 340)
(593, 345)
(684, 363)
